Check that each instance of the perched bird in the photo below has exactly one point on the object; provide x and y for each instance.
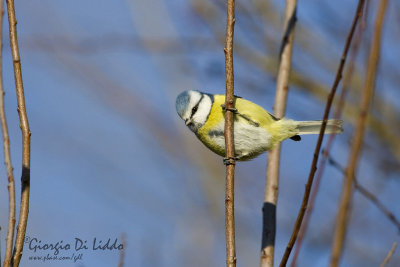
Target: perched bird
(255, 129)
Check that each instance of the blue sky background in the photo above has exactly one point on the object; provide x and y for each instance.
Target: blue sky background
(110, 156)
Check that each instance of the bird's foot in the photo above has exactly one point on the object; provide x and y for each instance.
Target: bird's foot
(224, 108)
(230, 160)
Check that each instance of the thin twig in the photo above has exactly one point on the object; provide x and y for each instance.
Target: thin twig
(122, 252)
(229, 141)
(389, 255)
(377, 203)
(7, 157)
(325, 152)
(369, 86)
(272, 175)
(367, 194)
(321, 136)
(26, 136)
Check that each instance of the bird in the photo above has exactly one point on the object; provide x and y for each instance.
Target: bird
(255, 129)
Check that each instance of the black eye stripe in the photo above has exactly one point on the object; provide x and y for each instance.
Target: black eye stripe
(196, 107)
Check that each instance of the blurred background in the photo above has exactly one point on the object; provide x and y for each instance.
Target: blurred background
(111, 157)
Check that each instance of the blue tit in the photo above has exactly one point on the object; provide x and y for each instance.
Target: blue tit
(255, 129)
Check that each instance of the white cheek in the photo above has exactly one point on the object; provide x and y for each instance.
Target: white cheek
(203, 110)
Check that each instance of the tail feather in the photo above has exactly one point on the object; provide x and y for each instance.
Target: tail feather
(333, 126)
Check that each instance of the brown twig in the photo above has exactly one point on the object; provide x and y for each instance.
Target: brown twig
(7, 157)
(367, 194)
(321, 136)
(122, 252)
(229, 141)
(329, 144)
(377, 203)
(369, 86)
(389, 255)
(272, 175)
(26, 136)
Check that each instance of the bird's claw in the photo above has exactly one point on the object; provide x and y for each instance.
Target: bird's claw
(224, 108)
(230, 160)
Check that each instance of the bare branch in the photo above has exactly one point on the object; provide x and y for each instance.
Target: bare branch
(26, 136)
(321, 136)
(7, 157)
(389, 255)
(272, 176)
(347, 191)
(367, 194)
(122, 252)
(229, 141)
(325, 152)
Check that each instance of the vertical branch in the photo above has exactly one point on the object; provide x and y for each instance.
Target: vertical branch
(317, 150)
(329, 144)
(121, 262)
(26, 135)
(7, 156)
(369, 86)
(229, 142)
(272, 176)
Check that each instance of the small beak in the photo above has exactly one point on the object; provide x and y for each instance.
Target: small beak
(187, 122)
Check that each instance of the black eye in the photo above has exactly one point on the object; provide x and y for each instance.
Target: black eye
(194, 109)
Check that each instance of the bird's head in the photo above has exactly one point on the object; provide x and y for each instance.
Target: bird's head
(193, 107)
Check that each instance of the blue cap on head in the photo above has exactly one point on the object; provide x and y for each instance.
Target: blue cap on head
(181, 102)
